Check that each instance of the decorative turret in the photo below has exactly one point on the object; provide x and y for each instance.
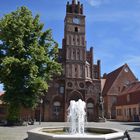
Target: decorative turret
(75, 7)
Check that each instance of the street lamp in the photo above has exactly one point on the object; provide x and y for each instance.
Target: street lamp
(40, 116)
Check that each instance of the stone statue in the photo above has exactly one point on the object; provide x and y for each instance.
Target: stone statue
(100, 101)
(101, 108)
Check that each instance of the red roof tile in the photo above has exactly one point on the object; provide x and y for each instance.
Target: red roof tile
(132, 87)
(133, 91)
(110, 78)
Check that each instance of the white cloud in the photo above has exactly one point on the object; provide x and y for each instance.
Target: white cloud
(97, 2)
(133, 60)
(94, 2)
(115, 16)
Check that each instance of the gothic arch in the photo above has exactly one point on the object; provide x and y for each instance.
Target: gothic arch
(57, 98)
(75, 95)
(90, 100)
(88, 83)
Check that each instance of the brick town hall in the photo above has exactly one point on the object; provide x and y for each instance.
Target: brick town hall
(80, 78)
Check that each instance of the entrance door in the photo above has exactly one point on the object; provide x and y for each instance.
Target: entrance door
(90, 112)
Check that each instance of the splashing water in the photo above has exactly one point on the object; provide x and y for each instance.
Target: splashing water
(77, 116)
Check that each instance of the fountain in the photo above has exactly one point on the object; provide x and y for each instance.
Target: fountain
(77, 116)
(76, 120)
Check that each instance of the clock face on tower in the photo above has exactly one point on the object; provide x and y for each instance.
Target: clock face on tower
(76, 20)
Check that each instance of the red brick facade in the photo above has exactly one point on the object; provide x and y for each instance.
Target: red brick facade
(128, 104)
(115, 82)
(80, 77)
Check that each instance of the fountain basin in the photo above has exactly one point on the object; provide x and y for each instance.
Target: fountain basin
(57, 133)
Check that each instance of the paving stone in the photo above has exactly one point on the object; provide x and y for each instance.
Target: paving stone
(20, 132)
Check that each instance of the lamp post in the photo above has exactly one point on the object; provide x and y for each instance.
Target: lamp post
(40, 116)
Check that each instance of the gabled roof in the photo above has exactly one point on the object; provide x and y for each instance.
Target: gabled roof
(132, 87)
(110, 78)
(131, 92)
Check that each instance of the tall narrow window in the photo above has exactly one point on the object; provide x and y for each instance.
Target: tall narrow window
(86, 71)
(69, 53)
(78, 40)
(83, 40)
(67, 70)
(69, 40)
(73, 40)
(56, 110)
(74, 55)
(76, 29)
(61, 89)
(75, 72)
(78, 54)
(81, 71)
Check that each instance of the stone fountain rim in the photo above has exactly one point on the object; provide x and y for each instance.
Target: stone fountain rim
(117, 133)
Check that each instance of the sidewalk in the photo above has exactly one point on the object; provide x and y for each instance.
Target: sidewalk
(20, 132)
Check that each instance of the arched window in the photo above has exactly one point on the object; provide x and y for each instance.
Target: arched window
(83, 41)
(86, 71)
(69, 40)
(57, 103)
(76, 29)
(90, 105)
(75, 71)
(81, 71)
(69, 53)
(56, 107)
(74, 54)
(78, 54)
(56, 110)
(61, 89)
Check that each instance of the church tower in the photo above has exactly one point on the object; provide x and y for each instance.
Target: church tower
(74, 42)
(80, 77)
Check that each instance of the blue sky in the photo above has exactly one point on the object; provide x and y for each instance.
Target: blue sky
(112, 27)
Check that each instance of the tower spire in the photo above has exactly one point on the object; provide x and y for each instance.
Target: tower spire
(75, 1)
(74, 7)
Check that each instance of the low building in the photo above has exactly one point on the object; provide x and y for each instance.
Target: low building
(25, 113)
(113, 84)
(128, 103)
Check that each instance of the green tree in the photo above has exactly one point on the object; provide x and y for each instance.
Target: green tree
(28, 59)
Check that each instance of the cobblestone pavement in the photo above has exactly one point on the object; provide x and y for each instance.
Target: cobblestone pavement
(20, 132)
